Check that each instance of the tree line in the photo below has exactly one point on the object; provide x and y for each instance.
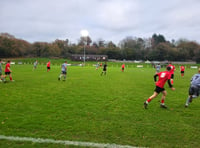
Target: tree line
(130, 48)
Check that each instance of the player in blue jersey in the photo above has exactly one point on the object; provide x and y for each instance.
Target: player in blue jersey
(2, 77)
(158, 67)
(35, 65)
(63, 71)
(194, 88)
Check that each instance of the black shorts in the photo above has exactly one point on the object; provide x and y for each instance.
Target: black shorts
(194, 90)
(172, 76)
(64, 72)
(182, 71)
(48, 67)
(158, 89)
(7, 73)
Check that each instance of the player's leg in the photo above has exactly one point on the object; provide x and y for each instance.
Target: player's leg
(105, 72)
(150, 99)
(5, 75)
(48, 68)
(192, 94)
(3, 78)
(164, 93)
(188, 101)
(10, 76)
(102, 73)
(182, 73)
(60, 76)
(64, 75)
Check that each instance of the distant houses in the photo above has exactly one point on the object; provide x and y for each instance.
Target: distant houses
(80, 57)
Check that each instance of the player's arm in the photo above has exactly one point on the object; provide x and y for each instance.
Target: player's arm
(170, 85)
(9, 69)
(155, 76)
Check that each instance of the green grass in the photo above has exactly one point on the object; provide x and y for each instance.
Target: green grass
(94, 108)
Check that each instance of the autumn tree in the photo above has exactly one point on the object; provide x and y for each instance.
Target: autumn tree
(12, 47)
(156, 39)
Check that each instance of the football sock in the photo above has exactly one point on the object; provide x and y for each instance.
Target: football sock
(162, 101)
(10, 78)
(194, 96)
(148, 100)
(172, 81)
(188, 101)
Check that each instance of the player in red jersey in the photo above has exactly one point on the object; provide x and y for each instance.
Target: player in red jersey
(163, 77)
(172, 72)
(101, 65)
(123, 66)
(8, 71)
(48, 66)
(182, 68)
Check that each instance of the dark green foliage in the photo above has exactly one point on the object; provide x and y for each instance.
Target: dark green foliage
(155, 48)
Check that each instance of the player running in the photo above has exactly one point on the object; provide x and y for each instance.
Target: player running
(63, 71)
(104, 69)
(48, 66)
(2, 77)
(123, 66)
(172, 72)
(158, 67)
(194, 88)
(101, 65)
(182, 68)
(35, 65)
(97, 66)
(163, 77)
(8, 71)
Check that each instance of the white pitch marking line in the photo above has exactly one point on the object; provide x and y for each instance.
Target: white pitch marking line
(64, 142)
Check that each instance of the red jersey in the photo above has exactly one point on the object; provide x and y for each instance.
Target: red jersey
(172, 68)
(7, 68)
(182, 68)
(163, 77)
(123, 65)
(48, 64)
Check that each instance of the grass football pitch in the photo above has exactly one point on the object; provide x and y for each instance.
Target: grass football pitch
(92, 108)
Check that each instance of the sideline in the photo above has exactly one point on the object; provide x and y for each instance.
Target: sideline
(64, 142)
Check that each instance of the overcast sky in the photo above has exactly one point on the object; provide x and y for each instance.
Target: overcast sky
(111, 20)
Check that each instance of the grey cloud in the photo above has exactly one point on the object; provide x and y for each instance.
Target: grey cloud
(48, 20)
